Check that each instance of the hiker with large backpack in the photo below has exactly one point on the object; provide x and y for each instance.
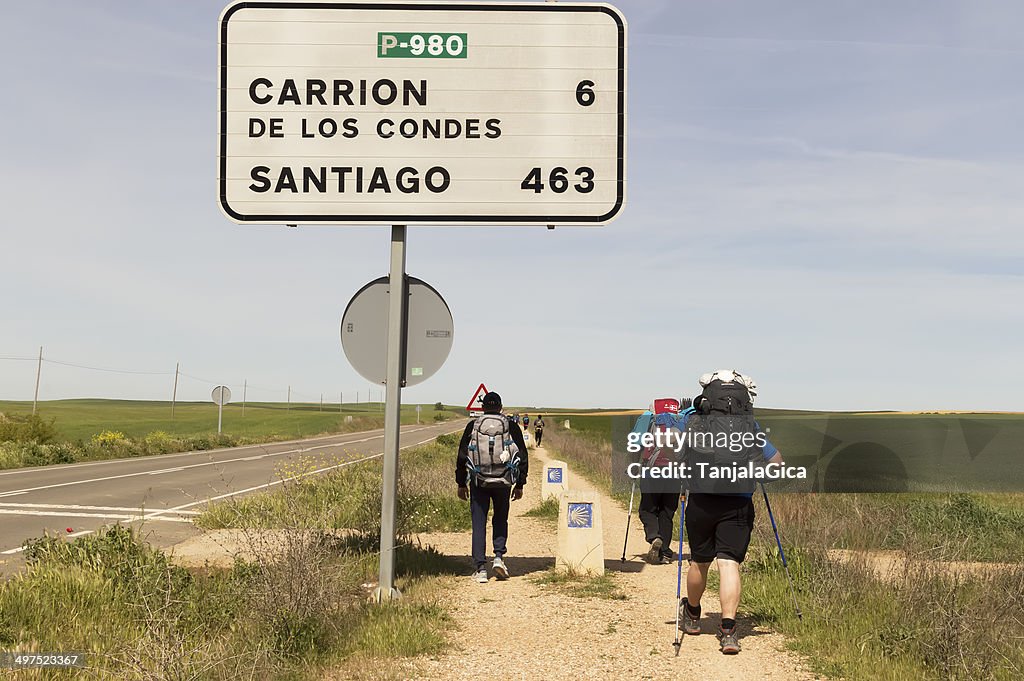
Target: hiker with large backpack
(491, 468)
(720, 513)
(658, 505)
(538, 429)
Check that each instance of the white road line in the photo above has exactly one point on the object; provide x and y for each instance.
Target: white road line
(79, 507)
(76, 514)
(36, 469)
(195, 465)
(12, 494)
(172, 470)
(204, 463)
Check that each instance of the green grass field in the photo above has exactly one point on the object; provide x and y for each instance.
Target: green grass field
(81, 419)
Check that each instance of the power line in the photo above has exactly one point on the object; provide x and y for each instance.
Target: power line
(111, 371)
(202, 380)
(302, 395)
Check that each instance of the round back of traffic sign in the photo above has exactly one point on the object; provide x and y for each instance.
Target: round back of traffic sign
(429, 331)
(221, 395)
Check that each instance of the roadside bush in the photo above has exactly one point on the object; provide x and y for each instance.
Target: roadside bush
(109, 438)
(26, 454)
(138, 616)
(159, 442)
(116, 554)
(449, 441)
(31, 428)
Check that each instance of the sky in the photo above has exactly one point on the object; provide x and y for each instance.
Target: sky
(824, 196)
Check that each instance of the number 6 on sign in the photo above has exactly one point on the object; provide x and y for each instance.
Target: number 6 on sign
(585, 93)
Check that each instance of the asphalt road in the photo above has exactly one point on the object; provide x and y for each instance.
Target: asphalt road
(163, 493)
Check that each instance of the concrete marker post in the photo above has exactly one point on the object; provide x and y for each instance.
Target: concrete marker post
(580, 544)
(555, 480)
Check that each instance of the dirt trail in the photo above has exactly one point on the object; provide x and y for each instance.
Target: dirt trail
(521, 630)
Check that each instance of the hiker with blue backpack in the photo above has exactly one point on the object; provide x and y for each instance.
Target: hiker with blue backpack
(719, 513)
(491, 469)
(658, 506)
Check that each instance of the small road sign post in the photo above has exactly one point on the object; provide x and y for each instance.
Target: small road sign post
(221, 395)
(416, 336)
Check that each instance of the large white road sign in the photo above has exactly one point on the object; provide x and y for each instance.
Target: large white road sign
(407, 112)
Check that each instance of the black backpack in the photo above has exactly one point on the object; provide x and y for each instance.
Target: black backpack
(721, 433)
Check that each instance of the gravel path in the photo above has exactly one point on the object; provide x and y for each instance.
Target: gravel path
(522, 630)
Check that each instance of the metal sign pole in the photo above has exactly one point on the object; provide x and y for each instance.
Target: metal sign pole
(397, 306)
(220, 414)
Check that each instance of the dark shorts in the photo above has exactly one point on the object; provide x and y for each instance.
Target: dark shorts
(718, 526)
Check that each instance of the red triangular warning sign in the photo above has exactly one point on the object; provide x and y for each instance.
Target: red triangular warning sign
(476, 403)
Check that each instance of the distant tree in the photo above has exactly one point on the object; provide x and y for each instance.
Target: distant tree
(438, 406)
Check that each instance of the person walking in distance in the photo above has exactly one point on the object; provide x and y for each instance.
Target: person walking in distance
(491, 469)
(658, 503)
(538, 428)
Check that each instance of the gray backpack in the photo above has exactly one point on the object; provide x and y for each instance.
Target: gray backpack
(493, 457)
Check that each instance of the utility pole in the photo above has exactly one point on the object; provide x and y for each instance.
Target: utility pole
(245, 389)
(174, 393)
(39, 372)
(289, 408)
(321, 402)
(341, 402)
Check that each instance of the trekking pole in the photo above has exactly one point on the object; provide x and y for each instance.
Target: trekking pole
(678, 641)
(629, 519)
(782, 554)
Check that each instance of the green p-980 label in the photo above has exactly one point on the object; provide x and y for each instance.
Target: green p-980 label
(421, 45)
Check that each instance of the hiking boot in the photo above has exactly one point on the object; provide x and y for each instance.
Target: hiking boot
(654, 555)
(481, 575)
(668, 556)
(687, 622)
(500, 571)
(728, 641)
